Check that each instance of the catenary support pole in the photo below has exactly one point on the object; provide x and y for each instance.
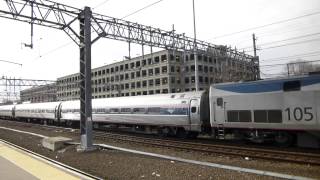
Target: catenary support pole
(85, 80)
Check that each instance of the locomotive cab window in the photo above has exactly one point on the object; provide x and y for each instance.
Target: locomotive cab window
(239, 116)
(292, 86)
(193, 109)
(267, 116)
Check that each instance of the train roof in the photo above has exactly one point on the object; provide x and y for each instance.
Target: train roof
(267, 85)
(45, 105)
(158, 99)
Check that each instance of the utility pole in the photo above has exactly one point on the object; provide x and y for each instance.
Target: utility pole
(85, 80)
(195, 49)
(256, 58)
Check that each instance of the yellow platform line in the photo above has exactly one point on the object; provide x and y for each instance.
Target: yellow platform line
(36, 167)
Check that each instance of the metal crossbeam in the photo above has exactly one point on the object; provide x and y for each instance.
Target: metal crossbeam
(4, 81)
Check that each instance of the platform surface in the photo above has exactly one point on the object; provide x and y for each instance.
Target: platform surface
(16, 164)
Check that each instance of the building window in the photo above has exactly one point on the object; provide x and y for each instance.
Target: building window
(192, 68)
(138, 84)
(132, 75)
(165, 80)
(191, 57)
(138, 74)
(138, 64)
(156, 59)
(144, 73)
(164, 69)
(157, 82)
(164, 58)
(192, 79)
(151, 92)
(144, 83)
(133, 85)
(151, 82)
(165, 91)
(157, 71)
(186, 80)
(150, 72)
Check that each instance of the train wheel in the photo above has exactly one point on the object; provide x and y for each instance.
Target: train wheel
(182, 133)
(283, 139)
(193, 135)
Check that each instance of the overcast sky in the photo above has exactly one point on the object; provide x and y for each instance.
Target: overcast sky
(55, 55)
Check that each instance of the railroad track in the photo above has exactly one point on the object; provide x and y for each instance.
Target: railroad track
(251, 152)
(275, 155)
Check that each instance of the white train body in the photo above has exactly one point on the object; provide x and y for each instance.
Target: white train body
(39, 111)
(163, 110)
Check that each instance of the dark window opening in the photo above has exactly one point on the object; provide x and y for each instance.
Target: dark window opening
(291, 86)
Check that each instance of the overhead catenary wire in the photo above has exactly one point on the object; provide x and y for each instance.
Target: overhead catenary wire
(100, 4)
(283, 40)
(266, 25)
(314, 53)
(143, 8)
(289, 44)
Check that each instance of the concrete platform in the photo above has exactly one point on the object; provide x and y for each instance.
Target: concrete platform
(55, 143)
(16, 164)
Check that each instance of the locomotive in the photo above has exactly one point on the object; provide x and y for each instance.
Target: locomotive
(285, 111)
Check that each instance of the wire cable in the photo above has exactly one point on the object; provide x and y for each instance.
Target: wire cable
(100, 4)
(145, 7)
(270, 24)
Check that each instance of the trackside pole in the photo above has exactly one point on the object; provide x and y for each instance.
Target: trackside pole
(85, 81)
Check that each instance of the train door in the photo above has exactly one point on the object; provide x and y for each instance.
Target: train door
(57, 112)
(194, 114)
(13, 112)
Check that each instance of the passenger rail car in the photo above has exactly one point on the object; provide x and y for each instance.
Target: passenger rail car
(282, 110)
(181, 114)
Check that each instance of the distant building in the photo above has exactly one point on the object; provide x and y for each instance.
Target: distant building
(162, 72)
(44, 93)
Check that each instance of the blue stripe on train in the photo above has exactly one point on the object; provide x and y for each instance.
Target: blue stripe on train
(266, 85)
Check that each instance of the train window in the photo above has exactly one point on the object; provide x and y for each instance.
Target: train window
(268, 116)
(154, 110)
(180, 111)
(139, 110)
(193, 109)
(166, 110)
(275, 116)
(114, 110)
(125, 110)
(244, 116)
(260, 116)
(219, 101)
(291, 86)
(100, 110)
(239, 116)
(232, 116)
